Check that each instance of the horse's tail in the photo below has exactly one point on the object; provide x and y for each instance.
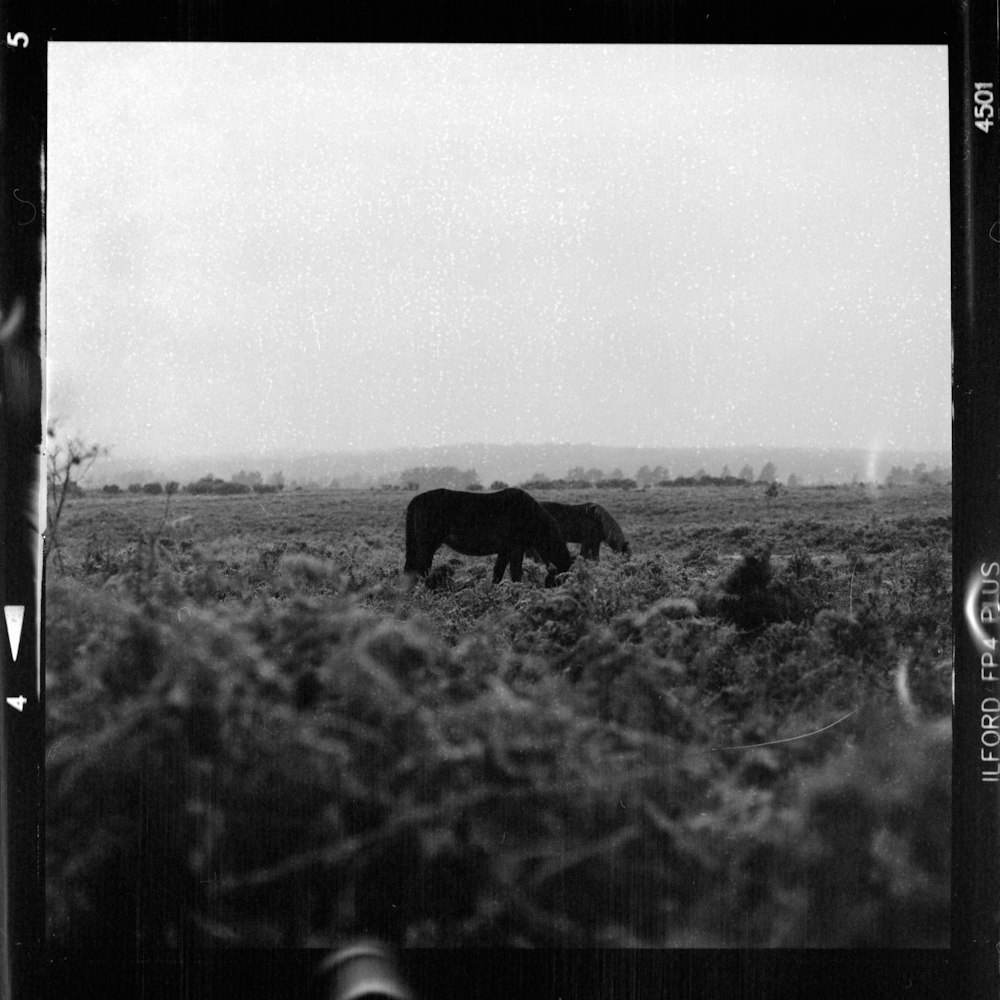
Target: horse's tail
(613, 534)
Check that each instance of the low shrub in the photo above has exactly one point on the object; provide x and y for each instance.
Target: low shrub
(751, 597)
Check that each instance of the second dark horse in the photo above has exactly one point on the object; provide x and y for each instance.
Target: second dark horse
(479, 524)
(589, 524)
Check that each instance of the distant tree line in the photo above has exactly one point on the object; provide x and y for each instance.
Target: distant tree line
(540, 482)
(917, 476)
(421, 478)
(242, 482)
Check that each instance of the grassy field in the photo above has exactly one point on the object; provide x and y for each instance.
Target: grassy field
(737, 737)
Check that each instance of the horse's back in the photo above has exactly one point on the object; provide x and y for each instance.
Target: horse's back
(475, 524)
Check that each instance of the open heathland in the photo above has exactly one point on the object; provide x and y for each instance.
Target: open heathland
(739, 736)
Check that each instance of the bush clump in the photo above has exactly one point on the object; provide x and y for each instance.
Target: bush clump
(751, 596)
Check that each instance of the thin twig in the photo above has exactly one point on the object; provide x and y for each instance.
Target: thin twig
(790, 739)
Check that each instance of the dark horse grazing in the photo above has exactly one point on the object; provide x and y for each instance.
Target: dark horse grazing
(589, 524)
(480, 524)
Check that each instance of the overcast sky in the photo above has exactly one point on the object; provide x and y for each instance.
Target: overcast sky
(334, 247)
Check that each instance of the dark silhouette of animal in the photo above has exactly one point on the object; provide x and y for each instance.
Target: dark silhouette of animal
(478, 524)
(588, 524)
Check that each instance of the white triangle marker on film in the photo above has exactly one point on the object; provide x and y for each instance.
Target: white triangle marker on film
(14, 613)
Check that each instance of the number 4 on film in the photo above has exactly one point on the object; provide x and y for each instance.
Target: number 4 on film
(14, 615)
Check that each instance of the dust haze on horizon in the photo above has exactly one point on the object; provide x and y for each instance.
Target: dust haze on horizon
(346, 248)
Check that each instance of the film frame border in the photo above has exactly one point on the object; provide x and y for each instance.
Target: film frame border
(970, 31)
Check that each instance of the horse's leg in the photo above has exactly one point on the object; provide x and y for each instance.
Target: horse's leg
(500, 565)
(516, 558)
(421, 544)
(419, 561)
(418, 569)
(427, 559)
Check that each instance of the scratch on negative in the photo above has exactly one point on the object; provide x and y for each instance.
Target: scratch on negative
(790, 739)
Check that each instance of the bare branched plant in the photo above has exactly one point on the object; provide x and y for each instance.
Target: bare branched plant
(68, 460)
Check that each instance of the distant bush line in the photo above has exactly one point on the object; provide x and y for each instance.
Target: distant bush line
(579, 484)
(209, 484)
(427, 478)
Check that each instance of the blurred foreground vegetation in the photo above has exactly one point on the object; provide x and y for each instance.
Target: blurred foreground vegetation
(257, 738)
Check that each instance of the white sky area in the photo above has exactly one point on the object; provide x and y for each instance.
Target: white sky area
(335, 247)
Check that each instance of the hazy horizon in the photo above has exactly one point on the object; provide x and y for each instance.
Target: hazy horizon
(278, 453)
(330, 248)
(520, 463)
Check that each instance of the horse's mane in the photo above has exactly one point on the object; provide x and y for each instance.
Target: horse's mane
(613, 534)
